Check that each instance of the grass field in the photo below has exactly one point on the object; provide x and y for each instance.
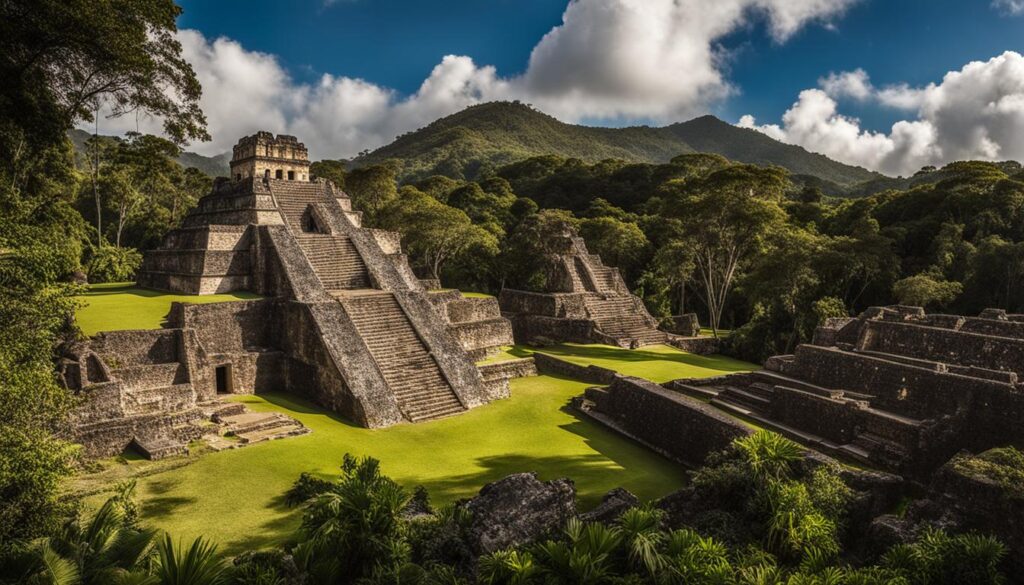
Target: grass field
(236, 497)
(117, 306)
(657, 363)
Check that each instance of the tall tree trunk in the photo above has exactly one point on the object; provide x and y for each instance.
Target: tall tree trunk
(95, 183)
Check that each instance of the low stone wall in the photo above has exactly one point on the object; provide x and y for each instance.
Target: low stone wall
(465, 310)
(685, 325)
(901, 388)
(137, 347)
(497, 375)
(483, 336)
(696, 345)
(230, 326)
(1013, 329)
(547, 364)
(944, 345)
(537, 329)
(980, 504)
(834, 419)
(680, 427)
(561, 305)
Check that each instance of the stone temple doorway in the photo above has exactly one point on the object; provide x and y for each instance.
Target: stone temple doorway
(224, 381)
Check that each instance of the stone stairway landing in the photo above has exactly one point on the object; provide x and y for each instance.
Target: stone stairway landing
(336, 261)
(410, 370)
(618, 317)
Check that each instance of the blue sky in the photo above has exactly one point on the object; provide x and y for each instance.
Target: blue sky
(353, 74)
(396, 43)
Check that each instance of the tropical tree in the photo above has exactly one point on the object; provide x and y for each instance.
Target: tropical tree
(355, 526)
(923, 290)
(371, 188)
(332, 170)
(619, 243)
(432, 232)
(60, 60)
(727, 217)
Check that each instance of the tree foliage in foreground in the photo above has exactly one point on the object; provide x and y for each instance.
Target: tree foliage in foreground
(60, 62)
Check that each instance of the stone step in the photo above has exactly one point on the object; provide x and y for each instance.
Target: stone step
(411, 372)
(335, 260)
(154, 448)
(698, 392)
(249, 422)
(743, 398)
(292, 429)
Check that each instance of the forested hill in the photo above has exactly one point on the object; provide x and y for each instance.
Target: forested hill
(498, 133)
(709, 134)
(214, 166)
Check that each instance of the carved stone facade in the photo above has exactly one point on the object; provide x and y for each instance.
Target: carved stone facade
(263, 155)
(585, 302)
(345, 323)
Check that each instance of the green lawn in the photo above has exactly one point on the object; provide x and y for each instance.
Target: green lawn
(657, 363)
(235, 497)
(122, 305)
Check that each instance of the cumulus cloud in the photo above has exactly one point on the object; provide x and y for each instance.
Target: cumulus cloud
(854, 84)
(1011, 7)
(612, 60)
(974, 113)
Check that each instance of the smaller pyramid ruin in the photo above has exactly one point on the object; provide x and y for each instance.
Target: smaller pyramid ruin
(343, 322)
(588, 302)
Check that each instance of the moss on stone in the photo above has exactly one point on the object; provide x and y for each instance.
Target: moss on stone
(1003, 466)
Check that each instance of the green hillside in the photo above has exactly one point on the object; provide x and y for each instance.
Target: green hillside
(214, 166)
(709, 134)
(493, 134)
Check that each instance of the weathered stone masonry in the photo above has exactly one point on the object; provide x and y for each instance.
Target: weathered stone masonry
(345, 322)
(588, 302)
(894, 388)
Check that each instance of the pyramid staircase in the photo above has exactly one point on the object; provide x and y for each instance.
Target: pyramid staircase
(618, 317)
(410, 370)
(335, 260)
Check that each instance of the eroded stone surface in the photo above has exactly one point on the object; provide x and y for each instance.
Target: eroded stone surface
(345, 323)
(519, 509)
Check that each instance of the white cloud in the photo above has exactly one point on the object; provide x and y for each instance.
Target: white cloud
(854, 84)
(614, 60)
(974, 113)
(1011, 7)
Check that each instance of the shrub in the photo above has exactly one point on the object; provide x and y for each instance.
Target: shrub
(305, 488)
(113, 264)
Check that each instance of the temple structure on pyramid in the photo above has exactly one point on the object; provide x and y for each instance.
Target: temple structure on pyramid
(343, 320)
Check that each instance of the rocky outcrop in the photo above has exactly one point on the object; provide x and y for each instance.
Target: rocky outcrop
(612, 505)
(518, 510)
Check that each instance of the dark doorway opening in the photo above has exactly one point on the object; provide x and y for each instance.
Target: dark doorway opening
(223, 379)
(291, 175)
(278, 174)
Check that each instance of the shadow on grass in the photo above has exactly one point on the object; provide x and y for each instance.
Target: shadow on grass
(304, 406)
(592, 353)
(280, 530)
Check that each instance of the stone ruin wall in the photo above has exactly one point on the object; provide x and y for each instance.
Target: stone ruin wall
(678, 426)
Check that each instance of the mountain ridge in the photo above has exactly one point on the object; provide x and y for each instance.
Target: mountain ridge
(489, 135)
